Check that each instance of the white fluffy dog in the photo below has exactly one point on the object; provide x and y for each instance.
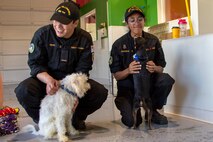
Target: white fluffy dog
(56, 110)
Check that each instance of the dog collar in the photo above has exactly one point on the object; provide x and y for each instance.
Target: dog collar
(68, 91)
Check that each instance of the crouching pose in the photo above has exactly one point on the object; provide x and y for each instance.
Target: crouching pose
(123, 67)
(55, 51)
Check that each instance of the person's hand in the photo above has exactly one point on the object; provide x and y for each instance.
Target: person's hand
(134, 67)
(52, 86)
(75, 105)
(150, 66)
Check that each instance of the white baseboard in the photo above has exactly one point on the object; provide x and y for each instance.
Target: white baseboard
(190, 112)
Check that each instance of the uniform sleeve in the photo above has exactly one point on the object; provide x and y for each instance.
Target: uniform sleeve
(37, 56)
(114, 61)
(86, 57)
(159, 58)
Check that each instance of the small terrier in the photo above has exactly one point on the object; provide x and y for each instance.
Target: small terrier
(57, 110)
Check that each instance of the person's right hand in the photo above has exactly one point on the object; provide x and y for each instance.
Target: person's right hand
(52, 86)
(134, 67)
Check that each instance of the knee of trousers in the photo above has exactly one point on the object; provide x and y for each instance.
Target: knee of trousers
(20, 92)
(167, 80)
(23, 93)
(127, 120)
(101, 94)
(97, 92)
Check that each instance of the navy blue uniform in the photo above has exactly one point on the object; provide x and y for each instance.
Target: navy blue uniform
(59, 57)
(161, 83)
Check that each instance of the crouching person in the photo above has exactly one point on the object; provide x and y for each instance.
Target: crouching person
(123, 67)
(55, 51)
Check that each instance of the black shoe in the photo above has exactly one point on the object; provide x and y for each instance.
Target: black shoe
(79, 125)
(158, 118)
(139, 119)
(36, 127)
(35, 121)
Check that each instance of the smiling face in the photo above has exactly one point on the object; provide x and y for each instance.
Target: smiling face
(135, 23)
(64, 31)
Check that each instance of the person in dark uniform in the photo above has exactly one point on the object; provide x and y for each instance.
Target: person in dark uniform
(57, 50)
(123, 67)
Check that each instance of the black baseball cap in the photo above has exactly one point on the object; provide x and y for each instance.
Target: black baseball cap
(133, 9)
(66, 12)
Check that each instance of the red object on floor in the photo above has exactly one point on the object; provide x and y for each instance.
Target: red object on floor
(8, 110)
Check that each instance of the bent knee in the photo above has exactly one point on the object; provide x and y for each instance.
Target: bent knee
(167, 80)
(102, 94)
(128, 121)
(29, 90)
(21, 92)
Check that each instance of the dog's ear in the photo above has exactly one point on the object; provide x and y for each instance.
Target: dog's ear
(80, 84)
(76, 82)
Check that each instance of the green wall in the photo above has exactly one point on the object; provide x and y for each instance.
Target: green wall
(151, 12)
(117, 9)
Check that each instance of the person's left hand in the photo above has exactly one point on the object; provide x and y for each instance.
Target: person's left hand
(150, 66)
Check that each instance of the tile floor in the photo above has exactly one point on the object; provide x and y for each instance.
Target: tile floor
(179, 129)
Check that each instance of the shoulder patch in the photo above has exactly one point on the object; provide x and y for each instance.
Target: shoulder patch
(110, 60)
(124, 47)
(31, 48)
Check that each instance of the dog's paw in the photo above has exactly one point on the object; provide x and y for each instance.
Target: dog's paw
(63, 138)
(48, 137)
(74, 132)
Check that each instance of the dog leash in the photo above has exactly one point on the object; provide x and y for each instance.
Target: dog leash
(68, 91)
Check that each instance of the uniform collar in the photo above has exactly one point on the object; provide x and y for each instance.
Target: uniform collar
(144, 34)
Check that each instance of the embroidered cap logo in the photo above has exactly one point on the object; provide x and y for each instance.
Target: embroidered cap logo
(63, 10)
(135, 9)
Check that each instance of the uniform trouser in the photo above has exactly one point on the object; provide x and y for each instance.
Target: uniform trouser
(31, 91)
(161, 85)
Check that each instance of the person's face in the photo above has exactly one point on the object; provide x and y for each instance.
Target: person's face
(135, 23)
(64, 31)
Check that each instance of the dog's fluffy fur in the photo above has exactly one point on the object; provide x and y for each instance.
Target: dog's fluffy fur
(56, 110)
